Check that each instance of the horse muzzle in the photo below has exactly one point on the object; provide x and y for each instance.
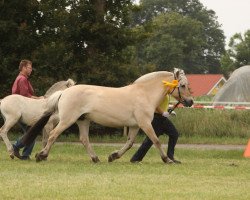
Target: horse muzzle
(188, 102)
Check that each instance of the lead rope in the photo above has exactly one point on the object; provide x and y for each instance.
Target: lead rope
(175, 106)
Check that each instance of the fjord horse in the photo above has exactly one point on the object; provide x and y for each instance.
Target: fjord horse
(132, 106)
(16, 108)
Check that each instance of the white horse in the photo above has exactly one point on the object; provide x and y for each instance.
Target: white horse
(16, 108)
(132, 106)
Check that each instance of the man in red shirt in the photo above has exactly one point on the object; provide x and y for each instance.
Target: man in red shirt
(23, 87)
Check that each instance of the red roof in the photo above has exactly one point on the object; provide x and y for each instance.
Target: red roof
(201, 84)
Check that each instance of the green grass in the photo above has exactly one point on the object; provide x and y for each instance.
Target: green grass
(69, 174)
(119, 138)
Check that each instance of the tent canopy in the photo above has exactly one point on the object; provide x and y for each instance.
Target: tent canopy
(237, 88)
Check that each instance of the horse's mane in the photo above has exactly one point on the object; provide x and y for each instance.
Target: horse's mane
(61, 85)
(152, 75)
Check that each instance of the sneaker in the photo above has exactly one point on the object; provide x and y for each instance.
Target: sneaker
(25, 158)
(135, 161)
(16, 152)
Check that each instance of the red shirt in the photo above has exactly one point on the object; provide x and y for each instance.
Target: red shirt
(22, 86)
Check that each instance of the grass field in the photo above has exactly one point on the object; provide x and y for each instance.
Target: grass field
(69, 174)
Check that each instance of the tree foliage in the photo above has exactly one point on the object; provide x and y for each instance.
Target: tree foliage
(105, 42)
(194, 39)
(17, 38)
(237, 54)
(84, 40)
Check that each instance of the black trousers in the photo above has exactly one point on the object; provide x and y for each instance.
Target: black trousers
(161, 125)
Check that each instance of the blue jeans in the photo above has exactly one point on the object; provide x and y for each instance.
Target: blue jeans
(18, 145)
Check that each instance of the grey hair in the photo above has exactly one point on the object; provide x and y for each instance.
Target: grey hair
(61, 85)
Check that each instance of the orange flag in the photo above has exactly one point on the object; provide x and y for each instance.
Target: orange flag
(247, 150)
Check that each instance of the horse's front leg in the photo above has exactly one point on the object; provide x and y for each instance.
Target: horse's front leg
(84, 138)
(148, 129)
(131, 138)
(43, 154)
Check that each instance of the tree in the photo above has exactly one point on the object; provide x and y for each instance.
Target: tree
(175, 41)
(17, 38)
(227, 65)
(239, 48)
(89, 39)
(238, 53)
(212, 46)
(84, 40)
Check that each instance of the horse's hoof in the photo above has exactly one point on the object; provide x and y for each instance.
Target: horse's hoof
(95, 159)
(39, 157)
(167, 160)
(112, 157)
(12, 156)
(16, 153)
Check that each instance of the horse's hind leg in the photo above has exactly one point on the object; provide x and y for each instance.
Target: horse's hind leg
(84, 138)
(3, 133)
(131, 138)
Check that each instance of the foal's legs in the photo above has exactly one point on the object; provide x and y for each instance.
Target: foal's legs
(131, 138)
(84, 138)
(9, 123)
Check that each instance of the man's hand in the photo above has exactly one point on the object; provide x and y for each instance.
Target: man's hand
(166, 114)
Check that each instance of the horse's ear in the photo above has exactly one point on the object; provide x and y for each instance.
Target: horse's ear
(176, 73)
(70, 82)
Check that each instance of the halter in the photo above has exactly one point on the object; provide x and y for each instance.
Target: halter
(180, 101)
(174, 86)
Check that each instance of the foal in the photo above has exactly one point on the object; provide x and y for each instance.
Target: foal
(16, 108)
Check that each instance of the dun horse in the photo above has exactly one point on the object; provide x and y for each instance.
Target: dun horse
(17, 108)
(132, 106)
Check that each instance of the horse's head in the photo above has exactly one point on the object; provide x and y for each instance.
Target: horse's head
(182, 93)
(61, 85)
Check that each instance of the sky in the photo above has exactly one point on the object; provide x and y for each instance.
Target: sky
(233, 15)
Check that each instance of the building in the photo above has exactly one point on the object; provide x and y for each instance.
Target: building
(205, 84)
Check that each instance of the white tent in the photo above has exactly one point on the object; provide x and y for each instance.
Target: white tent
(237, 87)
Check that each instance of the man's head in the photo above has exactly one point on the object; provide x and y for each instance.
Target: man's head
(25, 67)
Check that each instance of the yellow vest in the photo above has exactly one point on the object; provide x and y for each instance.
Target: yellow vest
(165, 103)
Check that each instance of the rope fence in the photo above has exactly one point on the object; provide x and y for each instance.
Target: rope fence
(217, 105)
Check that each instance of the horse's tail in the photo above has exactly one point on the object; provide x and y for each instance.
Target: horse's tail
(125, 131)
(52, 102)
(34, 131)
